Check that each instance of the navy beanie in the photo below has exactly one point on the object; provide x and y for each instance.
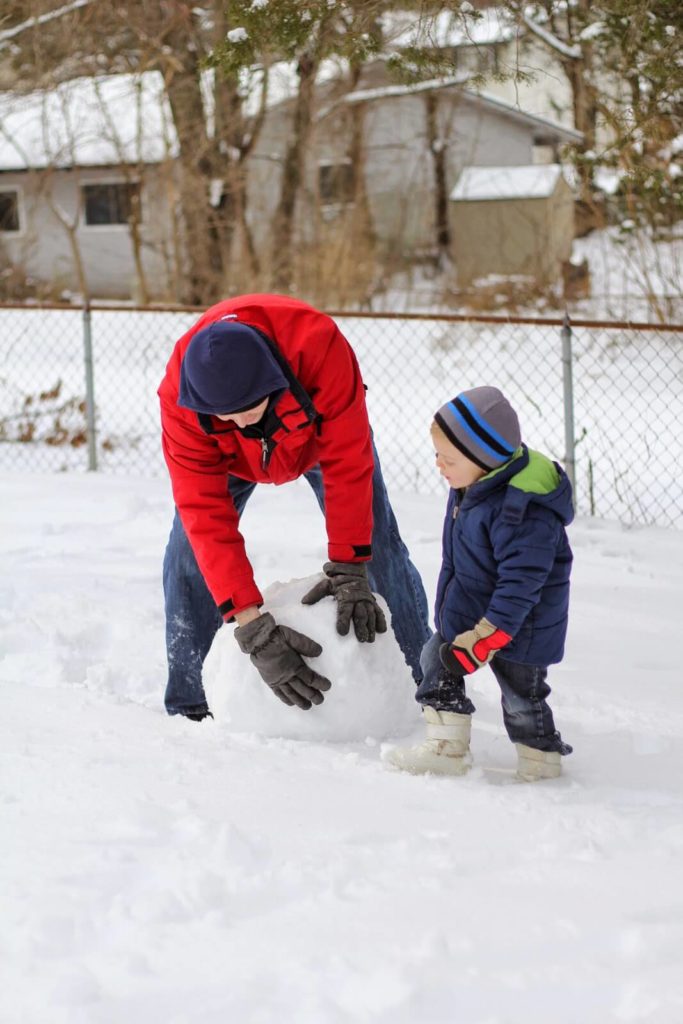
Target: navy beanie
(228, 367)
(481, 424)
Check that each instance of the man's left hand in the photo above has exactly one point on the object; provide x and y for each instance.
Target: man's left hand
(347, 583)
(473, 648)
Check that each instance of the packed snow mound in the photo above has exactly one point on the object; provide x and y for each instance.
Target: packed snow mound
(372, 694)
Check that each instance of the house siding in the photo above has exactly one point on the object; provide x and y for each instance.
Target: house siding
(398, 165)
(42, 247)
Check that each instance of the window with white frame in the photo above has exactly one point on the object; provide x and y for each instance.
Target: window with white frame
(9, 210)
(109, 202)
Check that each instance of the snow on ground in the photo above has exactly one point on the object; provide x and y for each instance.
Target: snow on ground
(158, 870)
(631, 278)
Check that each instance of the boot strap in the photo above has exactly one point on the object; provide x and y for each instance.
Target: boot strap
(444, 732)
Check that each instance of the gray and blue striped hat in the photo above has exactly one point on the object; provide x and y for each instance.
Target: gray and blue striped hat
(481, 424)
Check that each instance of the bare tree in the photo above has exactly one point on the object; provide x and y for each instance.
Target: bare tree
(213, 137)
(306, 33)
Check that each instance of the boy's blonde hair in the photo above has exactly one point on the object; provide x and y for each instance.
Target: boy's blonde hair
(438, 434)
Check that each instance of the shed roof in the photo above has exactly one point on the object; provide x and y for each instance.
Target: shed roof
(534, 181)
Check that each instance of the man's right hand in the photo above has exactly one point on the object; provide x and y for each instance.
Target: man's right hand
(277, 651)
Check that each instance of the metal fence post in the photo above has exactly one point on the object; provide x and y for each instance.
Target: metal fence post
(89, 389)
(568, 394)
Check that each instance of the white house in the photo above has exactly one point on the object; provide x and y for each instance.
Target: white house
(76, 162)
(411, 141)
(87, 171)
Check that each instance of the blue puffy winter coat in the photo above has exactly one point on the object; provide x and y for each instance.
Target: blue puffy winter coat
(506, 556)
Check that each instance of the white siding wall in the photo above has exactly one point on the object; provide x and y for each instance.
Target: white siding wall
(42, 245)
(399, 168)
(399, 172)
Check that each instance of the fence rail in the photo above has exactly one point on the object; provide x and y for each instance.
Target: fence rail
(78, 391)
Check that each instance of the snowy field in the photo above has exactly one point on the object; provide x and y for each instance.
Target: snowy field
(265, 867)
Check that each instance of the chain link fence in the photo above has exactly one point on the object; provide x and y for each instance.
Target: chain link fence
(605, 399)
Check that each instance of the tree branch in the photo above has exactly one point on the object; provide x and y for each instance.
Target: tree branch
(10, 33)
(573, 52)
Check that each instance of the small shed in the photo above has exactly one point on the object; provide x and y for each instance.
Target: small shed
(511, 221)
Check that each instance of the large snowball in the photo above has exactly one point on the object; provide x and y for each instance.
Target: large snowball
(372, 691)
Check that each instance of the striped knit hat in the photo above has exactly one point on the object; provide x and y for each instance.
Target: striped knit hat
(481, 424)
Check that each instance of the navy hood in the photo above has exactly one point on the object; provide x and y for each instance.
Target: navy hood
(228, 367)
(533, 478)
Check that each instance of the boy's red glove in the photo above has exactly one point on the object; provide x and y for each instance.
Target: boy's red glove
(473, 649)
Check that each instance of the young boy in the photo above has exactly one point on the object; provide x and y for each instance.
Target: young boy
(503, 590)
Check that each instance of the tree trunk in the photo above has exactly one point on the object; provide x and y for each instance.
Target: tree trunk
(226, 155)
(136, 242)
(437, 149)
(584, 101)
(292, 173)
(361, 228)
(203, 258)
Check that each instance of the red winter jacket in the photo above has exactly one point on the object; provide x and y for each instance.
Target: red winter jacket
(200, 462)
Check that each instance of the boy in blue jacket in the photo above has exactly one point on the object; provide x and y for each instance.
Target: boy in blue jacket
(503, 591)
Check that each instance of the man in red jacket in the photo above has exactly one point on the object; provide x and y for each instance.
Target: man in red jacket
(265, 389)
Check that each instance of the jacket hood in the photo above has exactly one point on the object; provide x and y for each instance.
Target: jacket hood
(227, 367)
(558, 500)
(530, 478)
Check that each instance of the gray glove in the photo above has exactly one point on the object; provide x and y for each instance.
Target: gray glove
(276, 652)
(347, 583)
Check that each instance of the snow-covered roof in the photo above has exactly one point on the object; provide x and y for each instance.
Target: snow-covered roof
(534, 181)
(543, 125)
(447, 29)
(389, 91)
(553, 128)
(112, 119)
(116, 119)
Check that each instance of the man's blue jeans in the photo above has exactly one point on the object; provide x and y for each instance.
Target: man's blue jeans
(526, 713)
(192, 618)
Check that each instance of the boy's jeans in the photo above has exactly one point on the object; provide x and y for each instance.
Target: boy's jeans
(192, 618)
(526, 715)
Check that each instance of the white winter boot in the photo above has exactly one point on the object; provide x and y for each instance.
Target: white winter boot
(444, 752)
(534, 765)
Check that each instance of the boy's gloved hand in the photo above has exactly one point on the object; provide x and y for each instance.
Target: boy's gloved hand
(276, 651)
(473, 648)
(347, 583)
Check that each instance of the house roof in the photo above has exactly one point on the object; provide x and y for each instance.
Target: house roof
(383, 92)
(544, 128)
(534, 181)
(112, 119)
(115, 119)
(544, 125)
